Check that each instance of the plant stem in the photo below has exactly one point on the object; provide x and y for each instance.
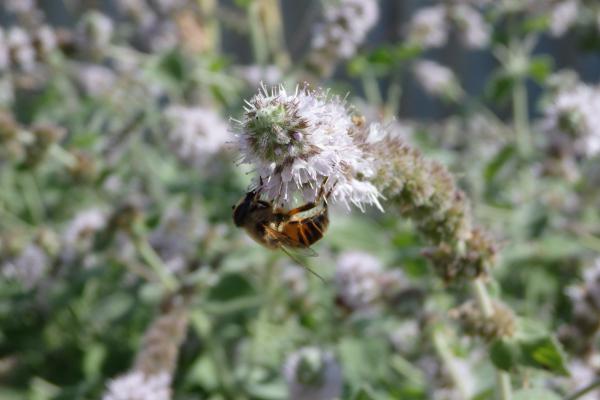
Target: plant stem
(483, 298)
(155, 263)
(504, 391)
(204, 329)
(585, 390)
(273, 27)
(208, 10)
(257, 34)
(394, 94)
(62, 156)
(504, 386)
(444, 352)
(371, 88)
(32, 197)
(521, 118)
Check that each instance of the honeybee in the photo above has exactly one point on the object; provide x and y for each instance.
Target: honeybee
(276, 228)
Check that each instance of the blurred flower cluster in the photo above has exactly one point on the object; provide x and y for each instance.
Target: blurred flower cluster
(458, 142)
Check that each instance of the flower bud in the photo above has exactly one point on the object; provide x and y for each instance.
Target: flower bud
(471, 318)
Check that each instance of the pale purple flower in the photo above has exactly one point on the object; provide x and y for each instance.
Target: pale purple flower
(582, 374)
(21, 46)
(46, 39)
(196, 133)
(4, 51)
(293, 278)
(297, 140)
(28, 268)
(574, 111)
(7, 91)
(357, 280)
(429, 27)
(95, 30)
(84, 225)
(586, 297)
(563, 15)
(176, 238)
(78, 236)
(167, 6)
(435, 78)
(95, 79)
(254, 75)
(20, 6)
(140, 11)
(136, 385)
(405, 336)
(312, 374)
(345, 26)
(474, 30)
(162, 36)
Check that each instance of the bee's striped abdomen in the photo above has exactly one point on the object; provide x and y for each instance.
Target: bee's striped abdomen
(309, 230)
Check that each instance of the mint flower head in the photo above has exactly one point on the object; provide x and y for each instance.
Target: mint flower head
(312, 373)
(297, 141)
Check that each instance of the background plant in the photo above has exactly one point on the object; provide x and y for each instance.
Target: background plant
(123, 276)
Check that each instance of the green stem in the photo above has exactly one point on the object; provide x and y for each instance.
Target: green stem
(504, 385)
(203, 328)
(448, 359)
(521, 118)
(155, 263)
(7, 217)
(394, 94)
(483, 298)
(371, 88)
(63, 156)
(208, 9)
(32, 197)
(590, 241)
(274, 32)
(257, 34)
(585, 390)
(504, 390)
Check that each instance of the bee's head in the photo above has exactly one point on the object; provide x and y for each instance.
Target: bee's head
(242, 210)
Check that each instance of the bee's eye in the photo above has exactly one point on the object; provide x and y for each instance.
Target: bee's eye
(233, 207)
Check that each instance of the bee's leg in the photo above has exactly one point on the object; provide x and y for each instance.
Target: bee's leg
(322, 189)
(302, 208)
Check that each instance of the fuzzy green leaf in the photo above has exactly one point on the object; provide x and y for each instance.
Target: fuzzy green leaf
(535, 393)
(364, 393)
(544, 353)
(504, 354)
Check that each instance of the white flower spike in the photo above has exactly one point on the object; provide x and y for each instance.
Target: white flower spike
(297, 140)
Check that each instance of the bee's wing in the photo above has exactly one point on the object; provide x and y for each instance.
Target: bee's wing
(286, 250)
(293, 249)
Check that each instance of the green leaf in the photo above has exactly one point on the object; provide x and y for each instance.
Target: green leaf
(539, 68)
(112, 307)
(407, 52)
(536, 24)
(529, 329)
(357, 66)
(382, 56)
(267, 391)
(500, 87)
(364, 393)
(361, 359)
(504, 354)
(497, 163)
(94, 357)
(544, 353)
(231, 287)
(535, 393)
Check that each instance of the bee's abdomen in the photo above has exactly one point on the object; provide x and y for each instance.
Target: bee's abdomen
(309, 230)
